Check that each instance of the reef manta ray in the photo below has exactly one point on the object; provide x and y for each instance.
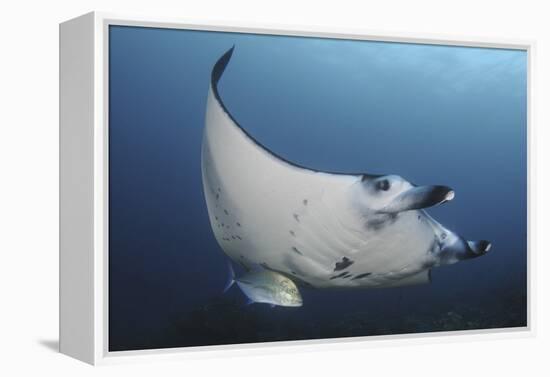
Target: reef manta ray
(318, 228)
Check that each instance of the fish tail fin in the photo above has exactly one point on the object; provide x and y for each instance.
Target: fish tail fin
(230, 279)
(249, 302)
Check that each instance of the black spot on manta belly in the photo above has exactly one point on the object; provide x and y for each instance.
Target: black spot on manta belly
(360, 276)
(296, 217)
(346, 262)
(305, 201)
(435, 246)
(295, 249)
(225, 211)
(238, 224)
(339, 275)
(292, 233)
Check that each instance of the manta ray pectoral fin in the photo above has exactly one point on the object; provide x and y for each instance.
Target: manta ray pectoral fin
(418, 198)
(219, 67)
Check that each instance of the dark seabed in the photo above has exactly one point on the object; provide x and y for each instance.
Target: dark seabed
(432, 114)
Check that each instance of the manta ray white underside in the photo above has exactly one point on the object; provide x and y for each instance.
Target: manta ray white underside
(318, 228)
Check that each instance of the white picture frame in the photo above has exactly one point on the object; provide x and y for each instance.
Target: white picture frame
(84, 187)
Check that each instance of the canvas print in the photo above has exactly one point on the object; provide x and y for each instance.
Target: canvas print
(271, 188)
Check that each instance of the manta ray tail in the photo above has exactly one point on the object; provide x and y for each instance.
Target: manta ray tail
(230, 279)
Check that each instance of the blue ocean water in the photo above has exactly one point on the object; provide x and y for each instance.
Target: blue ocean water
(432, 114)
